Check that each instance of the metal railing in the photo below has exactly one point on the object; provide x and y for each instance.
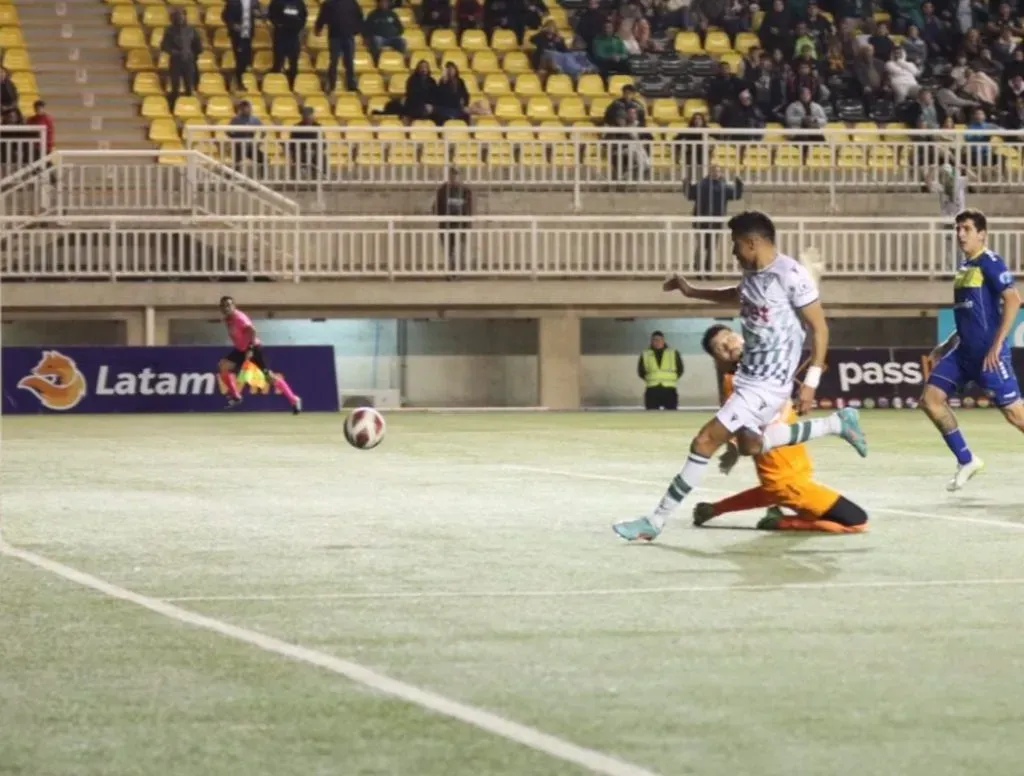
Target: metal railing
(581, 159)
(306, 248)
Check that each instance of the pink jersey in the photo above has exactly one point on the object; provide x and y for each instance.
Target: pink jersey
(240, 329)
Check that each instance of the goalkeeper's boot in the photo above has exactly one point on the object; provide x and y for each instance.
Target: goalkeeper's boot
(641, 529)
(703, 512)
(772, 520)
(851, 430)
(964, 472)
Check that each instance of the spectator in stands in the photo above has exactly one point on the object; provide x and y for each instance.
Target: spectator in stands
(19, 146)
(743, 114)
(455, 200)
(914, 46)
(1015, 120)
(384, 29)
(469, 14)
(972, 44)
(512, 15)
(304, 150)
(693, 146)
(882, 43)
(926, 113)
(902, 75)
(591, 23)
(451, 98)
(609, 52)
(240, 18)
(552, 55)
(803, 42)
(952, 103)
(711, 198)
(343, 20)
(868, 71)
(622, 105)
(722, 88)
(8, 91)
(1014, 90)
(628, 37)
(978, 137)
(804, 113)
(182, 44)
(981, 87)
(244, 140)
(819, 27)
(420, 91)
(934, 31)
(43, 119)
(776, 31)
(289, 20)
(1005, 21)
(984, 63)
(1004, 47)
(435, 14)
(1016, 64)
(805, 77)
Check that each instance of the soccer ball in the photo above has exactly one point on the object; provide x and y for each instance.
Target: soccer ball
(364, 428)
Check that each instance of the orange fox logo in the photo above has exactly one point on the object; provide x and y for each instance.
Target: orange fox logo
(55, 381)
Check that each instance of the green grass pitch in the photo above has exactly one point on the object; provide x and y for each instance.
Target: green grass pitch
(472, 556)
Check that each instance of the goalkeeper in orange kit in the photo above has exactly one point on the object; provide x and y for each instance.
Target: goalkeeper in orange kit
(785, 473)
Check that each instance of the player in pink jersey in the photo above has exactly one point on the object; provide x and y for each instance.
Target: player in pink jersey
(247, 348)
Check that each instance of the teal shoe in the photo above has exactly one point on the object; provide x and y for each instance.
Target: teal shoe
(851, 430)
(639, 529)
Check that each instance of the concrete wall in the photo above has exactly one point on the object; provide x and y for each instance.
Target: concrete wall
(478, 362)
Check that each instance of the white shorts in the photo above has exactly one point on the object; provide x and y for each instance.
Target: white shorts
(753, 406)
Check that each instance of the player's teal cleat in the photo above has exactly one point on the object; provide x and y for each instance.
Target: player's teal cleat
(851, 430)
(641, 529)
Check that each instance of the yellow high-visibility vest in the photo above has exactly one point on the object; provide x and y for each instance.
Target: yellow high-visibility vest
(663, 375)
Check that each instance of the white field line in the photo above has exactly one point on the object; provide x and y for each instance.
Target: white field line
(420, 595)
(636, 481)
(471, 715)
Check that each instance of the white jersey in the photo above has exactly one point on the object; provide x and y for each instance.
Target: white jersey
(773, 334)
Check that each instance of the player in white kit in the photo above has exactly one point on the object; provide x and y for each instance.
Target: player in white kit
(777, 298)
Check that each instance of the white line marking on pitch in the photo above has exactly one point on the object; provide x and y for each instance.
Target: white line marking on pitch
(419, 595)
(637, 481)
(471, 715)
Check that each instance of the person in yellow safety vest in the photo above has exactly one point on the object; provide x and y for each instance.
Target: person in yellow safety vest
(660, 367)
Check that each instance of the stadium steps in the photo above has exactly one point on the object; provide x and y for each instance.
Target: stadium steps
(80, 74)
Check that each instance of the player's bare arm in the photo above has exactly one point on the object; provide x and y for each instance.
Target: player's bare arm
(1011, 306)
(726, 295)
(813, 316)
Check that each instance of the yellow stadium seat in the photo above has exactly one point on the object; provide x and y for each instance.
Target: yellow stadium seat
(11, 37)
(26, 82)
(617, 82)
(725, 156)
(414, 39)
(590, 85)
(733, 59)
(520, 131)
(284, 108)
(487, 129)
(370, 84)
(693, 106)
(131, 38)
(155, 107)
(485, 62)
(883, 158)
(516, 62)
(423, 55)
(472, 87)
(504, 40)
(156, 16)
(262, 60)
(788, 156)
(188, 108)
(665, 110)
(688, 43)
(819, 157)
(496, 85)
(396, 84)
(391, 61)
(746, 41)
(508, 107)
(717, 42)
(528, 85)
(370, 154)
(551, 131)
(457, 57)
(221, 39)
(250, 86)
(456, 129)
(405, 16)
(171, 152)
(120, 16)
(211, 16)
(308, 85)
(443, 40)
(851, 158)
(500, 154)
(275, 85)
(377, 103)
(362, 61)
(423, 130)
(220, 107)
(559, 85)
(138, 59)
(156, 37)
(16, 59)
(474, 40)
(207, 62)
(757, 158)
(401, 152)
(539, 108)
(348, 106)
(211, 84)
(147, 84)
(572, 109)
(468, 155)
(260, 38)
(865, 132)
(598, 107)
(163, 131)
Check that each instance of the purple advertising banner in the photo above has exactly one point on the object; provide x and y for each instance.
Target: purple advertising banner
(888, 377)
(158, 379)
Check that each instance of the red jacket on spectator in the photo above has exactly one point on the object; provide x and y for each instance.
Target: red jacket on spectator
(44, 120)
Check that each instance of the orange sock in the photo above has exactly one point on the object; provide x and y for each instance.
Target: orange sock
(806, 521)
(755, 498)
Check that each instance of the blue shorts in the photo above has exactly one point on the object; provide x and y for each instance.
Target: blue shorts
(954, 373)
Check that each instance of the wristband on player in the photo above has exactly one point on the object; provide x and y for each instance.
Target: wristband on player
(813, 376)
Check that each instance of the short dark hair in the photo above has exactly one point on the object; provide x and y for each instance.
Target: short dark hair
(710, 334)
(658, 333)
(224, 299)
(975, 216)
(39, 105)
(750, 223)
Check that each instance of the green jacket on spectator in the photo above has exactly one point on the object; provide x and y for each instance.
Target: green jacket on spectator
(383, 24)
(609, 47)
(909, 10)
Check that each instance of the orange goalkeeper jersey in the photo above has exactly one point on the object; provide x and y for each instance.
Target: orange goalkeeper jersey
(783, 464)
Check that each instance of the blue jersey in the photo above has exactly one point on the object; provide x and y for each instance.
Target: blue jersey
(978, 303)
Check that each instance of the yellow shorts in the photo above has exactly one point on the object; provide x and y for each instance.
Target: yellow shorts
(804, 496)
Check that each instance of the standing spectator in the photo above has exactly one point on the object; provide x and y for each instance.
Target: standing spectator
(609, 52)
(42, 119)
(590, 24)
(926, 113)
(819, 27)
(723, 87)
(8, 91)
(469, 15)
(868, 71)
(902, 75)
(934, 31)
(304, 150)
(711, 198)
(244, 140)
(1013, 92)
(660, 367)
(240, 17)
(384, 28)
(454, 200)
(882, 43)
(343, 20)
(435, 14)
(499, 14)
(289, 20)
(420, 90)
(776, 31)
(1003, 49)
(182, 44)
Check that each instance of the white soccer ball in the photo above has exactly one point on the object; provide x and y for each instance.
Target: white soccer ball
(364, 428)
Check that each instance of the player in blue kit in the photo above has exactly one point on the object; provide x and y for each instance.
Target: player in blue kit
(985, 305)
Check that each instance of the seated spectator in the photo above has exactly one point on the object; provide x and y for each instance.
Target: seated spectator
(834, 64)
(1004, 47)
(926, 113)
(855, 10)
(629, 155)
(776, 30)
(972, 44)
(1015, 120)
(8, 91)
(750, 65)
(805, 78)
(499, 14)
(621, 106)
(760, 84)
(868, 71)
(304, 150)
(1014, 91)
(1004, 20)
(722, 87)
(451, 99)
(902, 76)
(552, 55)
(420, 89)
(952, 103)
(436, 14)
(882, 43)
(804, 113)
(245, 142)
(987, 65)
(978, 137)
(1016, 65)
(803, 42)
(590, 24)
(914, 46)
(819, 27)
(628, 39)
(743, 114)
(739, 17)
(469, 15)
(906, 13)
(384, 29)
(642, 31)
(609, 52)
(934, 31)
(981, 88)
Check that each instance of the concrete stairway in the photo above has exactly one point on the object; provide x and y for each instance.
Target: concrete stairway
(79, 69)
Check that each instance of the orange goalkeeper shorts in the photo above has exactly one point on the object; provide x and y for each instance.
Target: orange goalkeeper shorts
(804, 496)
